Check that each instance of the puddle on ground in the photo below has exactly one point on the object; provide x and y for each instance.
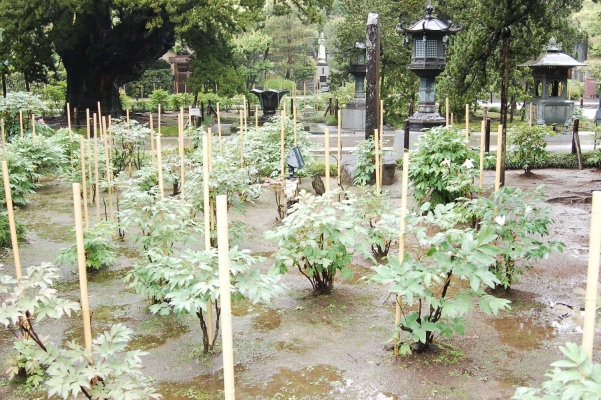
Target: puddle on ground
(293, 345)
(313, 382)
(267, 321)
(522, 333)
(105, 275)
(154, 332)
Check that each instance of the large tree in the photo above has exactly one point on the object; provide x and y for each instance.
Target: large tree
(104, 44)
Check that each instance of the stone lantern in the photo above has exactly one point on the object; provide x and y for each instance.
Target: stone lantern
(353, 116)
(428, 37)
(551, 70)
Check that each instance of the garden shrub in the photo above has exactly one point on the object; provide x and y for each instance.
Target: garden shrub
(98, 244)
(5, 240)
(526, 145)
(57, 94)
(179, 100)
(158, 96)
(383, 225)
(129, 147)
(15, 101)
(441, 167)
(318, 237)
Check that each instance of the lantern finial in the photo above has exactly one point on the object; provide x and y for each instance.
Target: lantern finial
(429, 9)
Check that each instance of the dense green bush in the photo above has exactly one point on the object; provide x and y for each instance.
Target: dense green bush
(526, 145)
(157, 97)
(15, 101)
(177, 101)
(5, 240)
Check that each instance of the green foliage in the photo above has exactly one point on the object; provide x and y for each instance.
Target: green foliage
(575, 90)
(98, 244)
(105, 372)
(576, 377)
(520, 225)
(5, 240)
(13, 102)
(177, 101)
(277, 83)
(527, 144)
(444, 255)
(383, 225)
(441, 167)
(158, 96)
(56, 93)
(126, 101)
(319, 168)
(319, 237)
(158, 76)
(366, 166)
(129, 144)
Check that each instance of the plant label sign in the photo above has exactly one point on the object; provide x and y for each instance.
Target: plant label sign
(195, 112)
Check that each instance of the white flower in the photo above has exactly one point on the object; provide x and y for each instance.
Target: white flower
(528, 209)
(446, 162)
(469, 163)
(500, 220)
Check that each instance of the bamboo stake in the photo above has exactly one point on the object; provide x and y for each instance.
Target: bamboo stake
(33, 127)
(160, 166)
(451, 120)
(467, 125)
(159, 121)
(339, 147)
(109, 175)
(151, 141)
(3, 141)
(127, 120)
(81, 263)
(404, 190)
(210, 147)
(447, 111)
(225, 296)
(241, 141)
(294, 123)
(11, 220)
(326, 145)
(377, 160)
(499, 146)
(482, 138)
(84, 181)
(256, 116)
(100, 115)
(96, 171)
(590, 306)
(531, 113)
(207, 220)
(219, 129)
(182, 160)
(70, 136)
(89, 156)
(21, 122)
(244, 116)
(305, 94)
(282, 145)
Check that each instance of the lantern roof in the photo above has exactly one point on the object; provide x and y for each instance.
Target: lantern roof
(553, 57)
(429, 23)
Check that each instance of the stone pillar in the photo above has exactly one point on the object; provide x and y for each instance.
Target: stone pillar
(372, 79)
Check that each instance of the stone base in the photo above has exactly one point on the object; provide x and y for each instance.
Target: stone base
(353, 119)
(424, 121)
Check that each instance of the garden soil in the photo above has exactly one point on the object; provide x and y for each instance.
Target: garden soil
(328, 347)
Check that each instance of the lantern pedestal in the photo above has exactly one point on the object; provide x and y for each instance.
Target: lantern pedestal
(426, 116)
(353, 116)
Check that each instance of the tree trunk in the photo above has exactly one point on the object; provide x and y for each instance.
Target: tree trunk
(506, 34)
(100, 56)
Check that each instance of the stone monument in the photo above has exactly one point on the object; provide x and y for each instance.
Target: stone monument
(353, 116)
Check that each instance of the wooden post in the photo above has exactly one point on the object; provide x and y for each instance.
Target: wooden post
(151, 141)
(3, 141)
(377, 160)
(487, 136)
(81, 263)
(305, 94)
(84, 181)
(109, 177)
(372, 77)
(282, 147)
(182, 159)
(590, 305)
(225, 297)
(531, 114)
(404, 194)
(326, 145)
(21, 122)
(96, 170)
(90, 176)
(241, 138)
(576, 142)
(451, 120)
(160, 167)
(33, 128)
(339, 147)
(406, 134)
(207, 222)
(256, 116)
(11, 220)
(70, 136)
(100, 114)
(294, 123)
(467, 125)
(159, 120)
(499, 155)
(482, 136)
(447, 111)
(219, 128)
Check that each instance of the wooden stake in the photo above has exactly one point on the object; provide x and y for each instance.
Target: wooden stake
(305, 94)
(225, 297)
(109, 174)
(282, 146)
(21, 122)
(467, 125)
(84, 181)
(100, 115)
(207, 221)
(294, 123)
(96, 171)
(241, 138)
(160, 166)
(531, 113)
(482, 139)
(447, 111)
(127, 115)
(33, 127)
(70, 136)
(210, 148)
(89, 155)
(326, 146)
(499, 147)
(256, 116)
(377, 160)
(159, 121)
(11, 220)
(151, 141)
(590, 305)
(3, 141)
(451, 120)
(219, 129)
(404, 194)
(339, 148)
(182, 159)
(81, 263)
